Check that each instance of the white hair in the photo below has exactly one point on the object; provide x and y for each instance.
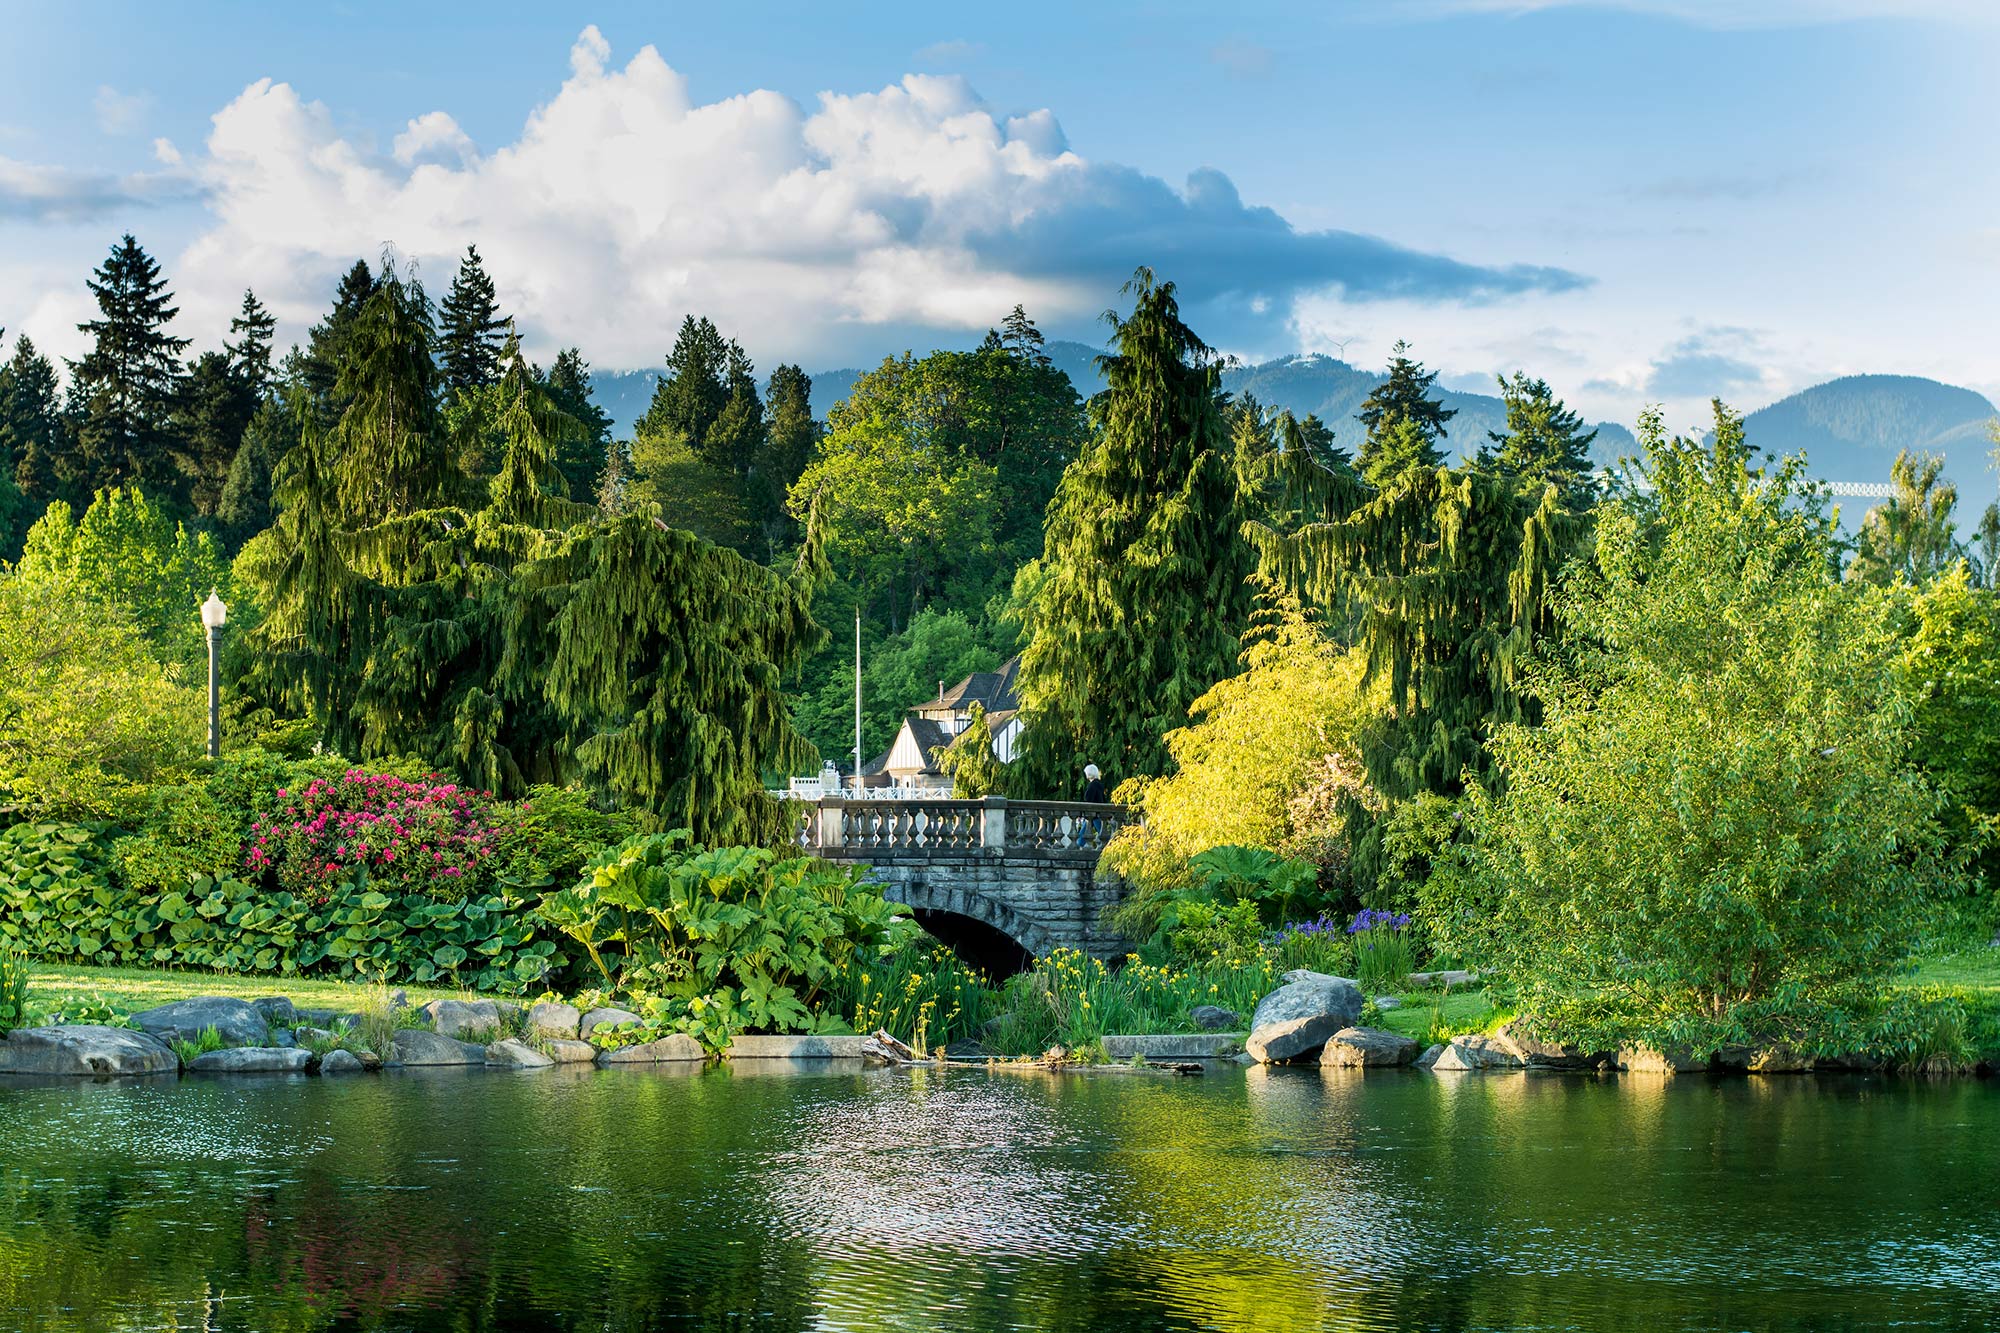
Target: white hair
(1090, 771)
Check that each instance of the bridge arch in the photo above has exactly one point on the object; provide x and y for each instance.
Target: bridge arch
(926, 895)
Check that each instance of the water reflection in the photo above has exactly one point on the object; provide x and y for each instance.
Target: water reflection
(837, 1199)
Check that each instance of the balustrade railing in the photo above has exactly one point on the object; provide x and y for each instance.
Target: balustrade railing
(1064, 829)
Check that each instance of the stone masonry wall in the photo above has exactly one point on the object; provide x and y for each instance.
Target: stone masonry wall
(1039, 902)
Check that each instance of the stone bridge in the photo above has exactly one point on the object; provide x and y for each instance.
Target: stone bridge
(1028, 869)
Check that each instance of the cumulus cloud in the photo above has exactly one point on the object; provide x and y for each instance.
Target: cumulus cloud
(120, 113)
(1713, 363)
(813, 233)
(33, 193)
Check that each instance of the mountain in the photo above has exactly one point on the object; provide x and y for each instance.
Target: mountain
(1851, 429)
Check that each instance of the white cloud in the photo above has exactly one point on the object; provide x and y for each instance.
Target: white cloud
(120, 113)
(34, 193)
(165, 153)
(624, 204)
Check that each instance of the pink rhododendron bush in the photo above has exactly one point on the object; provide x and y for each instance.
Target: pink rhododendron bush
(423, 836)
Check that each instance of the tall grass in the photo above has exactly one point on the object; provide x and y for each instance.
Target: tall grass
(926, 996)
(15, 974)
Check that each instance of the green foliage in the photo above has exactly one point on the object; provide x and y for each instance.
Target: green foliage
(471, 332)
(733, 939)
(1144, 592)
(1544, 441)
(1204, 929)
(898, 672)
(208, 1040)
(88, 717)
(1712, 838)
(975, 770)
(1268, 758)
(1403, 421)
(1949, 668)
(1910, 537)
(58, 906)
(1275, 888)
(127, 385)
(187, 834)
(922, 994)
(1416, 837)
(1074, 1001)
(1384, 956)
(127, 555)
(548, 837)
(15, 977)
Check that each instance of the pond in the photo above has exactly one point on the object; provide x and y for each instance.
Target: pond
(946, 1200)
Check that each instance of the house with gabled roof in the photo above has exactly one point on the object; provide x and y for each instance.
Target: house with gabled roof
(911, 761)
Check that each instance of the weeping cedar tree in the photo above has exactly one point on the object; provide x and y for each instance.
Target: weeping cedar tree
(1145, 589)
(1447, 576)
(527, 641)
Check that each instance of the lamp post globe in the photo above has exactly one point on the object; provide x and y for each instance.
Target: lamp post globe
(214, 613)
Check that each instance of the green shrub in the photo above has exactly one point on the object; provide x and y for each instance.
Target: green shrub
(550, 835)
(15, 974)
(209, 1040)
(189, 833)
(1204, 931)
(733, 939)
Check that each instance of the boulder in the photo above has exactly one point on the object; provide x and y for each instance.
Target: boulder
(1214, 1018)
(237, 1022)
(1779, 1060)
(85, 1050)
(460, 1019)
(414, 1046)
(1426, 980)
(1297, 1018)
(515, 1054)
(1299, 974)
(1430, 1057)
(555, 1021)
(284, 1037)
(369, 1060)
(277, 1011)
(674, 1047)
(832, 1046)
(571, 1052)
(1172, 1046)
(309, 1034)
(1356, 1048)
(1652, 1060)
(340, 1062)
(1477, 1052)
(317, 1018)
(601, 1018)
(1387, 1002)
(251, 1060)
(1539, 1054)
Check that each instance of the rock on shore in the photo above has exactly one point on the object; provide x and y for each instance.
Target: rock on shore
(237, 1022)
(86, 1050)
(1299, 1017)
(1357, 1048)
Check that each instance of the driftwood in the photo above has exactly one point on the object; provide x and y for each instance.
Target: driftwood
(887, 1049)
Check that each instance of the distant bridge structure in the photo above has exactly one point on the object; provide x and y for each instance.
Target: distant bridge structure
(1027, 869)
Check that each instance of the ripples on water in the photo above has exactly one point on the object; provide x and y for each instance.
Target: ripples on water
(1284, 1199)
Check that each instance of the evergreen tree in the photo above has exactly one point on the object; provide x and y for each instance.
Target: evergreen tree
(326, 346)
(209, 429)
(33, 431)
(1544, 440)
(616, 479)
(1404, 422)
(1019, 337)
(692, 394)
(790, 438)
(736, 440)
(252, 332)
(581, 460)
(1144, 590)
(130, 379)
(395, 457)
(245, 508)
(472, 336)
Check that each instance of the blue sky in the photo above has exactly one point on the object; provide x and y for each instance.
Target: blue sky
(1658, 200)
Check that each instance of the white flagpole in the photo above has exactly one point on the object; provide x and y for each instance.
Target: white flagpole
(857, 701)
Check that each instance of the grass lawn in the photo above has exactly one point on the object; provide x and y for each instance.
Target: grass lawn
(1463, 1010)
(1972, 969)
(136, 988)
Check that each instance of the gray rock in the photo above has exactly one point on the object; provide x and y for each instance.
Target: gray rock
(1385, 1003)
(1425, 980)
(1214, 1018)
(277, 1011)
(1652, 1060)
(1473, 1052)
(1297, 1018)
(283, 1037)
(1356, 1048)
(251, 1060)
(555, 1021)
(516, 1054)
(340, 1062)
(1539, 1054)
(304, 1035)
(237, 1022)
(1430, 1057)
(1172, 1046)
(795, 1047)
(571, 1052)
(599, 1018)
(674, 1047)
(1299, 974)
(461, 1018)
(414, 1046)
(85, 1050)
(512, 1016)
(1779, 1060)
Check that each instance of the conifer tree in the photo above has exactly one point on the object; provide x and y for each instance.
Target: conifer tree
(472, 336)
(209, 429)
(246, 505)
(1544, 440)
(326, 347)
(251, 333)
(1404, 422)
(582, 459)
(691, 395)
(32, 429)
(736, 439)
(395, 456)
(129, 380)
(1144, 590)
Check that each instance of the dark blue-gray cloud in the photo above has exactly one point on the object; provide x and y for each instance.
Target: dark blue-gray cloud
(33, 193)
(1709, 364)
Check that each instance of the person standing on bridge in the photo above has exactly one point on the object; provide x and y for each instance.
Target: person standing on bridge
(1093, 785)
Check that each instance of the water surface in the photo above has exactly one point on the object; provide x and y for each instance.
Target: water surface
(1281, 1199)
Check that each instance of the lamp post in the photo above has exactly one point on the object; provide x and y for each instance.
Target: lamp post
(213, 614)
